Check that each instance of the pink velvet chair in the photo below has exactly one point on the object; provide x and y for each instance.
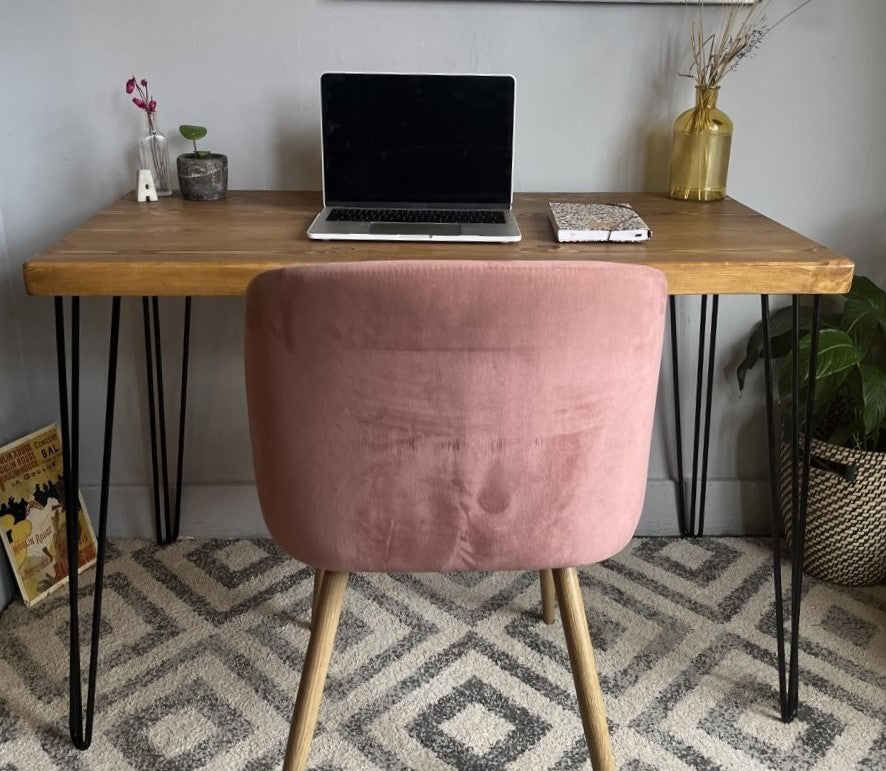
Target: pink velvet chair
(452, 415)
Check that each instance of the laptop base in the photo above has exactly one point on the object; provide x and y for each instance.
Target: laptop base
(322, 229)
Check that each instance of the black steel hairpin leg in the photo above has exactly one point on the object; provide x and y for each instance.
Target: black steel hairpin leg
(687, 517)
(166, 530)
(788, 682)
(81, 734)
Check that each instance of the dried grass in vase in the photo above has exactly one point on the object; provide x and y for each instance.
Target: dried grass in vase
(742, 29)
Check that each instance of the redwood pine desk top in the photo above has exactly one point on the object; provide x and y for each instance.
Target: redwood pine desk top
(178, 247)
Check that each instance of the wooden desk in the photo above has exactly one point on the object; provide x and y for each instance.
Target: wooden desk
(176, 247)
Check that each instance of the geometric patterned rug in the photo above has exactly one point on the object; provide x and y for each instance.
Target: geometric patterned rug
(203, 641)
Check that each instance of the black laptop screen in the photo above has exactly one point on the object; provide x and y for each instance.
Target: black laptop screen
(401, 139)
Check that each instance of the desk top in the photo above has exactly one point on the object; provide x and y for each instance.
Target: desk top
(177, 247)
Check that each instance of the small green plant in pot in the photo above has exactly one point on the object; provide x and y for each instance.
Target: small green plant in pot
(202, 175)
(846, 515)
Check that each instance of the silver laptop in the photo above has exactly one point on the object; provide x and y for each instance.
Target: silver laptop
(417, 157)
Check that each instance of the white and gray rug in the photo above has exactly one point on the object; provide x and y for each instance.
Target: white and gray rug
(203, 643)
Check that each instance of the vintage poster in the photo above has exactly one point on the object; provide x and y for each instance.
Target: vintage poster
(32, 514)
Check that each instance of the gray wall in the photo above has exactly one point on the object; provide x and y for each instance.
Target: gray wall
(597, 94)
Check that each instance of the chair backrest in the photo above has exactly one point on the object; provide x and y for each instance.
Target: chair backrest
(453, 415)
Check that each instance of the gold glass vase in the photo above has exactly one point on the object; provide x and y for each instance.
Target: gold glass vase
(700, 152)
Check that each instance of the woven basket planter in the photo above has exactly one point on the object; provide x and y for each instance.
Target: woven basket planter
(846, 514)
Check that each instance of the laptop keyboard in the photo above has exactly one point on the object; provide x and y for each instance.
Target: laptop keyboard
(471, 216)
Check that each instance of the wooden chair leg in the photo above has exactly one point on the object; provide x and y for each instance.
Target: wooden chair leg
(318, 582)
(548, 596)
(584, 669)
(310, 690)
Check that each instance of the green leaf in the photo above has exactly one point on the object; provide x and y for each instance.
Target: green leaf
(836, 354)
(864, 311)
(192, 132)
(826, 390)
(846, 406)
(842, 435)
(873, 383)
(780, 323)
(861, 330)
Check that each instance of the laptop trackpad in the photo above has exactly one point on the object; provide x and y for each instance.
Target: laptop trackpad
(415, 229)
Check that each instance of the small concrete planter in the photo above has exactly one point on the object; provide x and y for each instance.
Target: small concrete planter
(203, 177)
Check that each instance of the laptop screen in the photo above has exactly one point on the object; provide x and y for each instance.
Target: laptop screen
(417, 139)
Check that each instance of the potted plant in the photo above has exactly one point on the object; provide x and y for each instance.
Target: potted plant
(846, 514)
(702, 137)
(202, 175)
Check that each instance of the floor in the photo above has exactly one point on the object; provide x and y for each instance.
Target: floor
(203, 643)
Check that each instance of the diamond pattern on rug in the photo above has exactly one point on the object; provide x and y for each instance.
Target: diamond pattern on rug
(701, 561)
(849, 627)
(203, 643)
(448, 727)
(181, 729)
(461, 724)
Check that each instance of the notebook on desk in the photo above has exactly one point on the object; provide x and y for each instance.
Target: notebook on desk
(414, 157)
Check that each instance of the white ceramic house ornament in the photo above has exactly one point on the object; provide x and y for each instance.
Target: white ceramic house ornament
(145, 190)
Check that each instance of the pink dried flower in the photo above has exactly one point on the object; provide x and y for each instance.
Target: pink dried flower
(143, 101)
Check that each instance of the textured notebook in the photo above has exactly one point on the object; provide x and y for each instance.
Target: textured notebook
(597, 222)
